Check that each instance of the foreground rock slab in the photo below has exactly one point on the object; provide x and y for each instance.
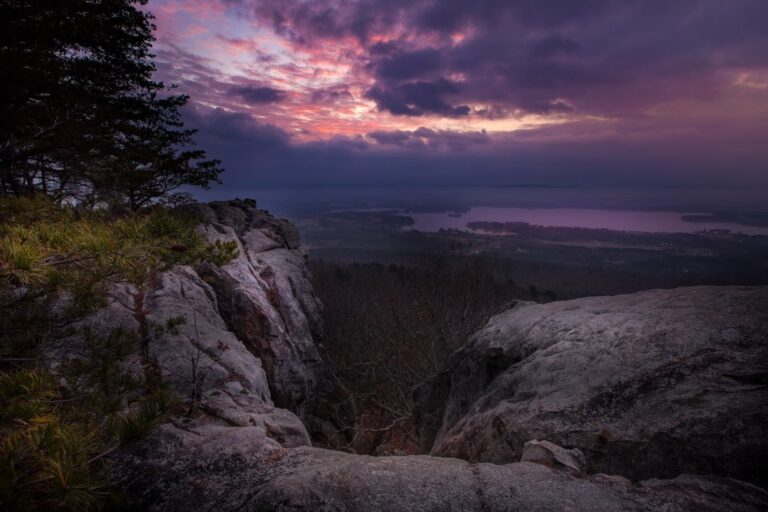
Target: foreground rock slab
(205, 468)
(651, 384)
(321, 480)
(549, 454)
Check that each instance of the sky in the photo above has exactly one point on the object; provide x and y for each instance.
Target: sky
(636, 93)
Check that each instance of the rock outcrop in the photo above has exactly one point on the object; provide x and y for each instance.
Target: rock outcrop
(647, 385)
(608, 401)
(554, 456)
(239, 468)
(235, 342)
(266, 300)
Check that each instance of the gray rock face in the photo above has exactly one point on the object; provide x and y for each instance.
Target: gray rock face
(239, 468)
(266, 300)
(244, 354)
(312, 479)
(543, 452)
(652, 384)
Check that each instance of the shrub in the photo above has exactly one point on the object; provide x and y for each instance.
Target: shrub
(62, 256)
(56, 264)
(138, 423)
(46, 458)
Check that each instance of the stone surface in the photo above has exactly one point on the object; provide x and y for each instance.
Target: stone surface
(651, 384)
(242, 469)
(543, 452)
(237, 342)
(266, 300)
(312, 479)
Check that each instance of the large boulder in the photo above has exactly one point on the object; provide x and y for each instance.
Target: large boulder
(651, 384)
(239, 468)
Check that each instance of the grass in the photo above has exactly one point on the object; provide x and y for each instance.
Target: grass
(42, 242)
(59, 257)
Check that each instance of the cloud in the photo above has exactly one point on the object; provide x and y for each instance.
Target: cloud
(417, 98)
(330, 95)
(376, 91)
(554, 45)
(408, 65)
(258, 95)
(597, 56)
(393, 138)
(256, 154)
(427, 138)
(235, 131)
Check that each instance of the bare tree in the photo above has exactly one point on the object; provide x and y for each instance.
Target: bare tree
(390, 328)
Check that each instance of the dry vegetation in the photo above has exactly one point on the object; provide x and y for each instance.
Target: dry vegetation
(389, 328)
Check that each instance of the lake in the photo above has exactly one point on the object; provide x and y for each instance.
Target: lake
(624, 209)
(617, 220)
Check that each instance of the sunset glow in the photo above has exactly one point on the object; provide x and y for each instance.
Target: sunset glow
(390, 78)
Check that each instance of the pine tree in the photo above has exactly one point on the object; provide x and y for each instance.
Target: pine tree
(80, 112)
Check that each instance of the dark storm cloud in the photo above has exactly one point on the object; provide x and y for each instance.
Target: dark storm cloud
(417, 98)
(449, 15)
(257, 154)
(554, 45)
(258, 95)
(330, 95)
(262, 155)
(408, 65)
(235, 131)
(393, 138)
(602, 57)
(639, 92)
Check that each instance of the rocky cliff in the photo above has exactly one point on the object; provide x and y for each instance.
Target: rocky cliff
(235, 342)
(612, 403)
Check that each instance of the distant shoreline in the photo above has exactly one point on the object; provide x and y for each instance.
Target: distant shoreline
(752, 219)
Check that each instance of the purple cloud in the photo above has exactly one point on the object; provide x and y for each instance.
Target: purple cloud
(258, 95)
(602, 91)
(418, 98)
(597, 56)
